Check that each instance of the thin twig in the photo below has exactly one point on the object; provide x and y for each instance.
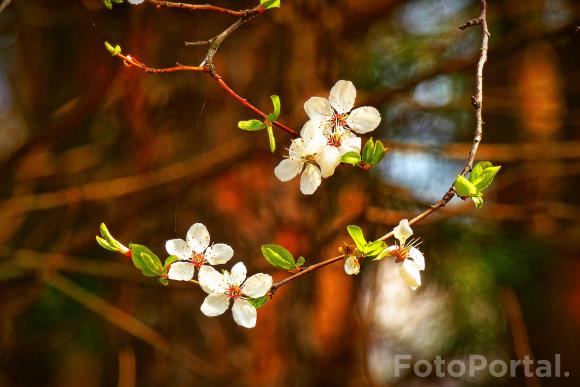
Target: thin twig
(4, 4)
(206, 7)
(477, 102)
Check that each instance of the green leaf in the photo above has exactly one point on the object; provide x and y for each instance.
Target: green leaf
(145, 260)
(169, 260)
(279, 257)
(267, 4)
(382, 254)
(113, 50)
(378, 153)
(276, 103)
(478, 169)
(300, 261)
(259, 302)
(352, 158)
(251, 125)
(271, 138)
(464, 187)
(357, 236)
(104, 244)
(374, 248)
(485, 178)
(368, 150)
(108, 4)
(478, 201)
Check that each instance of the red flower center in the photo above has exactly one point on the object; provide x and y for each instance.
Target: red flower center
(400, 254)
(234, 291)
(197, 260)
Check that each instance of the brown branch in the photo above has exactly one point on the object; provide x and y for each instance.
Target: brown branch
(130, 324)
(4, 4)
(130, 61)
(207, 7)
(477, 102)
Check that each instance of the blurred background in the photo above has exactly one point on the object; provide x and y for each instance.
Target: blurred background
(85, 140)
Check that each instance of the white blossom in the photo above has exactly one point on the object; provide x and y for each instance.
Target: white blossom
(221, 288)
(135, 2)
(300, 160)
(411, 259)
(333, 123)
(195, 253)
(351, 265)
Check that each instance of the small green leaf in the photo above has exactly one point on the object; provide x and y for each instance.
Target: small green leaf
(271, 138)
(251, 125)
(276, 103)
(382, 254)
(374, 248)
(464, 187)
(163, 281)
(104, 244)
(300, 261)
(352, 158)
(145, 260)
(378, 153)
(485, 178)
(368, 150)
(357, 236)
(478, 169)
(267, 4)
(259, 302)
(108, 4)
(279, 257)
(478, 201)
(113, 50)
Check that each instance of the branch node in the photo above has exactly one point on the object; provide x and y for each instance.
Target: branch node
(470, 23)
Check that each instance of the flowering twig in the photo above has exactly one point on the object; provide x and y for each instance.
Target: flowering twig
(477, 102)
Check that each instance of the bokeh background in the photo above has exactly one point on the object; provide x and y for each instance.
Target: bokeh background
(85, 140)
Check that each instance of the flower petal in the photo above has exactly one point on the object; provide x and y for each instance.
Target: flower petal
(313, 138)
(257, 285)
(219, 254)
(245, 314)
(364, 119)
(350, 143)
(410, 273)
(179, 247)
(328, 160)
(417, 257)
(342, 96)
(198, 237)
(181, 271)
(288, 169)
(310, 179)
(318, 108)
(211, 281)
(403, 231)
(238, 274)
(351, 265)
(135, 2)
(215, 304)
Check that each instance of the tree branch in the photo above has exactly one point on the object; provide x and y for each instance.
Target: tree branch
(477, 102)
(207, 7)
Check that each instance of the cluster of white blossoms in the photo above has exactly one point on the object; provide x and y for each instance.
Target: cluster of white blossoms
(405, 252)
(329, 133)
(196, 253)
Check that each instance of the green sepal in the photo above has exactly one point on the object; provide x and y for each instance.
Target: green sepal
(374, 248)
(267, 4)
(277, 105)
(382, 254)
(464, 187)
(379, 152)
(368, 150)
(169, 260)
(259, 302)
(271, 138)
(352, 158)
(279, 257)
(145, 260)
(357, 236)
(164, 281)
(251, 125)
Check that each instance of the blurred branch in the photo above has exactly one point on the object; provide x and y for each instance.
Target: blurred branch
(477, 103)
(126, 185)
(4, 4)
(130, 325)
